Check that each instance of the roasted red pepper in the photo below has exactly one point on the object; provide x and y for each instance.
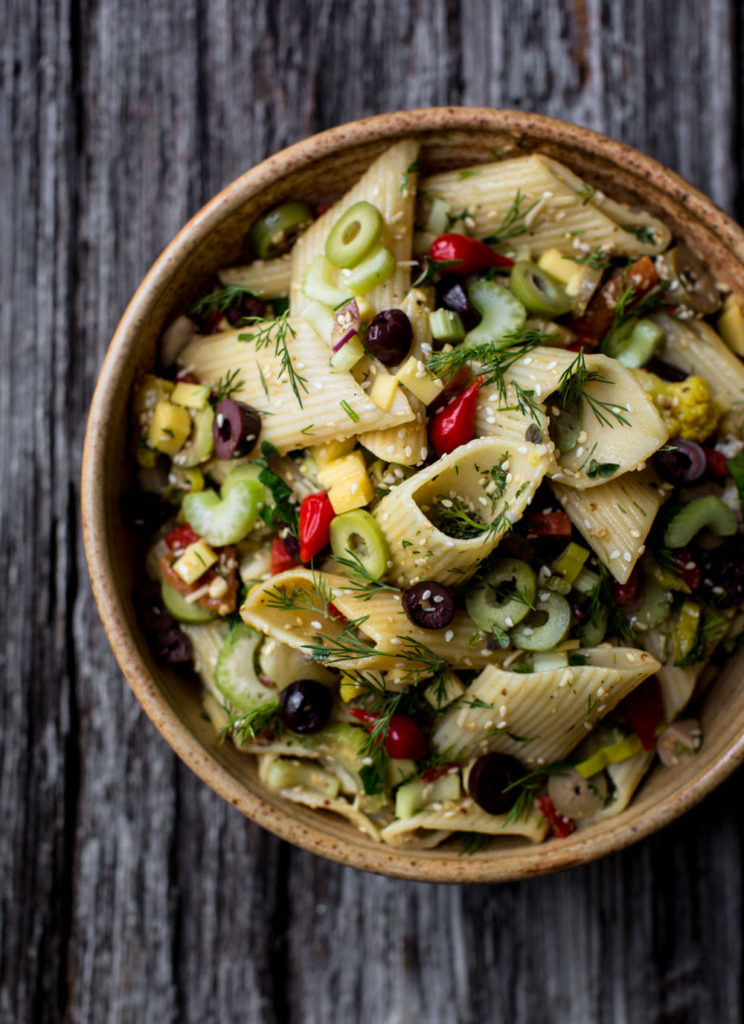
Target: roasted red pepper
(455, 423)
(316, 513)
(468, 255)
(644, 709)
(600, 314)
(281, 560)
(560, 825)
(548, 524)
(180, 537)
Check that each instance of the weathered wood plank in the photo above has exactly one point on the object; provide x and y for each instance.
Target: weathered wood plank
(128, 891)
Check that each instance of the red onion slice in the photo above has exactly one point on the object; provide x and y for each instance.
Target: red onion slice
(347, 323)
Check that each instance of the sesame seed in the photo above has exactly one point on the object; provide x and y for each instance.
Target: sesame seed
(449, 636)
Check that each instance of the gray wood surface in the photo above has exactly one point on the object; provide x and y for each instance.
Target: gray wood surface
(128, 891)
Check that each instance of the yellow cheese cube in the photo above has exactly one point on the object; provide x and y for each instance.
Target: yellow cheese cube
(350, 494)
(414, 375)
(191, 396)
(337, 470)
(731, 325)
(194, 562)
(383, 390)
(330, 450)
(170, 426)
(558, 266)
(365, 308)
(349, 688)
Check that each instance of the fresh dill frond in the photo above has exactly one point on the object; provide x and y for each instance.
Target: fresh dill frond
(526, 787)
(586, 193)
(247, 725)
(472, 842)
(513, 222)
(361, 581)
(598, 258)
(456, 520)
(572, 388)
(220, 300)
(228, 385)
(273, 333)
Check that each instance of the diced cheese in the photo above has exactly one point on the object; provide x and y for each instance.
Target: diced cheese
(349, 688)
(191, 396)
(557, 265)
(194, 562)
(731, 325)
(330, 450)
(383, 390)
(169, 428)
(355, 492)
(336, 470)
(414, 375)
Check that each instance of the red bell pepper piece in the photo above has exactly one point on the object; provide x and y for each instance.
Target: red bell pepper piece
(560, 825)
(716, 463)
(316, 513)
(549, 524)
(600, 313)
(281, 560)
(180, 537)
(455, 423)
(468, 255)
(643, 709)
(403, 739)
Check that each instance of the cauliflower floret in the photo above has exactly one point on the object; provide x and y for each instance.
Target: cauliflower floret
(687, 406)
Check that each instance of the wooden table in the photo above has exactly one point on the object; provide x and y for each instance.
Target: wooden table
(130, 892)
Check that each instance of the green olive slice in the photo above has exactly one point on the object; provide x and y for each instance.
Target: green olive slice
(546, 626)
(692, 284)
(538, 291)
(354, 234)
(504, 597)
(275, 231)
(356, 537)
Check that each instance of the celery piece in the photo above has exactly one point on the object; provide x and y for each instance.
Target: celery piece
(201, 442)
(688, 627)
(286, 773)
(235, 672)
(549, 661)
(570, 562)
(413, 795)
(446, 325)
(320, 318)
(692, 517)
(227, 519)
(346, 357)
(317, 283)
(183, 610)
(502, 313)
(372, 271)
(611, 754)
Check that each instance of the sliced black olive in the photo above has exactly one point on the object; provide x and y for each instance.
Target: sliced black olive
(695, 286)
(389, 336)
(144, 511)
(429, 604)
(245, 306)
(666, 370)
(305, 706)
(236, 429)
(153, 614)
(490, 779)
(452, 295)
(172, 647)
(681, 461)
(722, 574)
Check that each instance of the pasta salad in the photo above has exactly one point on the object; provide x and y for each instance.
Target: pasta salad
(443, 496)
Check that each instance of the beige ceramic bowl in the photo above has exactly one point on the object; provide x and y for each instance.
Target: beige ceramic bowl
(317, 169)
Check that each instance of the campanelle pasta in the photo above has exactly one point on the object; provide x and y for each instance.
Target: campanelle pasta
(444, 490)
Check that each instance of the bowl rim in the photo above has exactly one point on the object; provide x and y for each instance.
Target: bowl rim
(514, 863)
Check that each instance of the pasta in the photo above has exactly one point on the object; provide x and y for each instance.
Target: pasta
(445, 500)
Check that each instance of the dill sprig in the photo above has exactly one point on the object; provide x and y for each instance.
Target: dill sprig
(572, 388)
(220, 300)
(527, 785)
(299, 598)
(598, 258)
(247, 725)
(453, 518)
(628, 304)
(513, 221)
(274, 333)
(361, 582)
(227, 386)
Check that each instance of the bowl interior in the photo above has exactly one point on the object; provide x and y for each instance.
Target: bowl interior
(318, 169)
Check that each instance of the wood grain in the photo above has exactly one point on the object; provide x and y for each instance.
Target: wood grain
(128, 891)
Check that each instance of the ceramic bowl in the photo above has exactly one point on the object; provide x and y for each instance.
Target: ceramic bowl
(320, 168)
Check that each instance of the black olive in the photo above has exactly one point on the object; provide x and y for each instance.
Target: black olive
(683, 462)
(236, 429)
(489, 781)
(305, 706)
(153, 614)
(429, 605)
(144, 511)
(389, 336)
(292, 545)
(244, 307)
(172, 647)
(666, 370)
(722, 574)
(452, 295)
